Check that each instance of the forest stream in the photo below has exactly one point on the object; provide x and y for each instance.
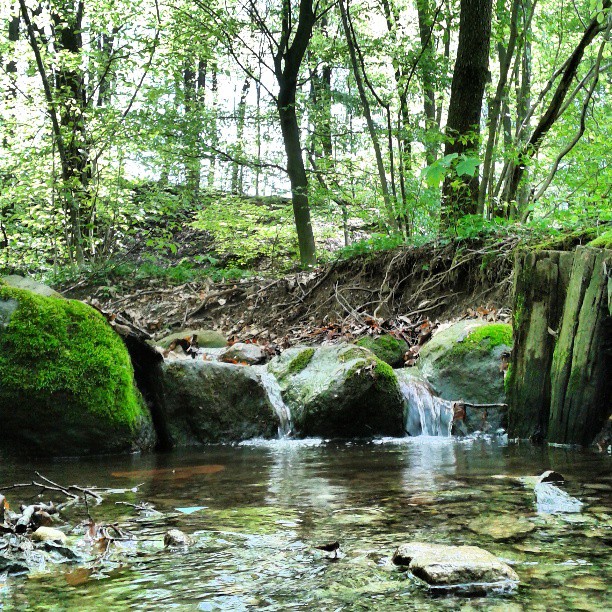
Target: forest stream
(255, 512)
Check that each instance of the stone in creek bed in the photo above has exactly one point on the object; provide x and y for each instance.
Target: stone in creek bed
(48, 534)
(501, 527)
(443, 565)
(175, 538)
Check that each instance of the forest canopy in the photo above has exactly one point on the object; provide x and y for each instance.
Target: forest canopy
(287, 127)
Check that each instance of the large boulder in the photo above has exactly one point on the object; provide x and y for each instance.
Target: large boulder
(460, 566)
(462, 362)
(209, 401)
(66, 380)
(340, 390)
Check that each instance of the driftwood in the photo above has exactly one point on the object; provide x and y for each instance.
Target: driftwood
(29, 517)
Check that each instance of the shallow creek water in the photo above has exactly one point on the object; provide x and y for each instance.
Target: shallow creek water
(267, 504)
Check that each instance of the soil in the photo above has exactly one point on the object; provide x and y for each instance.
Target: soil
(395, 290)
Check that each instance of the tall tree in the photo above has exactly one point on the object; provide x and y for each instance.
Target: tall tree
(470, 76)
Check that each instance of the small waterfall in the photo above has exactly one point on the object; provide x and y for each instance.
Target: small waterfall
(425, 414)
(270, 384)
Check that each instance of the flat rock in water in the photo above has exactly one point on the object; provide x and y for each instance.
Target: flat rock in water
(553, 500)
(501, 527)
(176, 538)
(442, 565)
(48, 534)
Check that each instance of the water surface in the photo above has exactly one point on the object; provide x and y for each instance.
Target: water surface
(267, 504)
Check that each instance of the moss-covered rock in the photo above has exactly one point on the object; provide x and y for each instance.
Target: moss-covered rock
(388, 348)
(66, 380)
(209, 401)
(604, 241)
(463, 361)
(341, 390)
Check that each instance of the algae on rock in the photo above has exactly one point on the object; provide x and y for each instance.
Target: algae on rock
(67, 380)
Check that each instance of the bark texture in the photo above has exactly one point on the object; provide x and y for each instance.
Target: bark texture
(559, 386)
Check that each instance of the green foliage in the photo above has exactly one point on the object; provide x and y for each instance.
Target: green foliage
(449, 165)
(248, 230)
(64, 349)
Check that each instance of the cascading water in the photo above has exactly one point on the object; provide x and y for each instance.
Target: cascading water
(270, 384)
(426, 414)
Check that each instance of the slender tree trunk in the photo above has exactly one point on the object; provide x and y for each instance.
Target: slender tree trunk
(368, 116)
(236, 169)
(470, 76)
(425, 14)
(214, 136)
(287, 63)
(495, 107)
(551, 114)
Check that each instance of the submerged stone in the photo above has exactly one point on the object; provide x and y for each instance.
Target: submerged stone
(174, 538)
(341, 390)
(209, 401)
(67, 382)
(553, 500)
(502, 527)
(49, 534)
(443, 565)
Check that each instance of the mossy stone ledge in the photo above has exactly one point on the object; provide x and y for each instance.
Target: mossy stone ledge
(66, 380)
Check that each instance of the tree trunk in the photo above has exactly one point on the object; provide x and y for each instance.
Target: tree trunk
(495, 107)
(551, 114)
(287, 62)
(470, 76)
(236, 167)
(382, 175)
(582, 364)
(297, 174)
(540, 285)
(425, 13)
(558, 383)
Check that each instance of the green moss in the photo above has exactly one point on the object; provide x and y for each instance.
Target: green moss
(386, 347)
(566, 241)
(386, 380)
(486, 338)
(351, 354)
(63, 353)
(300, 362)
(602, 242)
